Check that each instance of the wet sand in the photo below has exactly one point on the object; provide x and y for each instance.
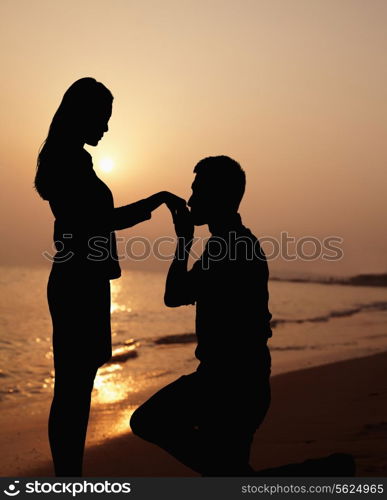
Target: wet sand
(340, 407)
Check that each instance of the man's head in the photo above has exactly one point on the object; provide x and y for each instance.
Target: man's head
(217, 190)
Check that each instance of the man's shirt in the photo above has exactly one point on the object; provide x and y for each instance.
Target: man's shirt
(228, 284)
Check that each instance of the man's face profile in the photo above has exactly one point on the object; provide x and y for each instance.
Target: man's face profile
(200, 201)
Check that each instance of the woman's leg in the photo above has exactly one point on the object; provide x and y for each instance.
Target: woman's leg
(80, 313)
(69, 417)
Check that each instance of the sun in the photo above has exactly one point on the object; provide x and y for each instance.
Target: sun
(106, 164)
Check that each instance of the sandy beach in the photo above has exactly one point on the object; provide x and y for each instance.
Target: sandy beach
(340, 407)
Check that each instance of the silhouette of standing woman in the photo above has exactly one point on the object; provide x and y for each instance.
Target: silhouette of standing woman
(86, 259)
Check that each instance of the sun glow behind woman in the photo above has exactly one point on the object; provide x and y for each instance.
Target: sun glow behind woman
(106, 164)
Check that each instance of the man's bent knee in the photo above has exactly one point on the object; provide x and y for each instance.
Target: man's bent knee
(137, 423)
(143, 426)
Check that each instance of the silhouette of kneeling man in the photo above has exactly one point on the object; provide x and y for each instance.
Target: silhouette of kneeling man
(207, 419)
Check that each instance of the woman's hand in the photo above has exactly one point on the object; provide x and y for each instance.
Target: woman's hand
(172, 201)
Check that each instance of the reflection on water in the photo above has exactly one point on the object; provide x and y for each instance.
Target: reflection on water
(125, 352)
(110, 394)
(115, 305)
(109, 369)
(108, 424)
(121, 424)
(143, 361)
(119, 308)
(109, 388)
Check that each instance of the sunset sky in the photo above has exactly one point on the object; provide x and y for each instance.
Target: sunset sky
(295, 90)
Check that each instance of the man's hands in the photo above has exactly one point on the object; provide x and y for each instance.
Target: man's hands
(183, 223)
(180, 214)
(172, 201)
(178, 290)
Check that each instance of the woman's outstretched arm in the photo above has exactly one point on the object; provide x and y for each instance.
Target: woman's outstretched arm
(132, 214)
(76, 213)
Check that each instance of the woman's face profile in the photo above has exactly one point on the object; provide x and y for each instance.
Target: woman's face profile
(96, 125)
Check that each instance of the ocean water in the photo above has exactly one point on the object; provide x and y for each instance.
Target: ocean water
(313, 324)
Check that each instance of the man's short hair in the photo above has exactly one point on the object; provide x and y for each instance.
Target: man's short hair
(224, 176)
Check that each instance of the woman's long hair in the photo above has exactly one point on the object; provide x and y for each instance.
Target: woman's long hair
(80, 103)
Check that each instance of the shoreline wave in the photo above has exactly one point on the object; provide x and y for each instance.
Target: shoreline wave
(185, 338)
(373, 280)
(373, 306)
